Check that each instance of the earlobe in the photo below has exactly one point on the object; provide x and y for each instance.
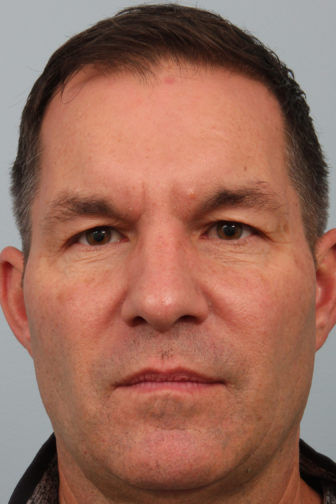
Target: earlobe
(325, 286)
(11, 294)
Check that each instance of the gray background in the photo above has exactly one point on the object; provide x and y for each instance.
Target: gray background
(302, 32)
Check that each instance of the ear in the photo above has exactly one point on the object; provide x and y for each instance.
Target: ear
(325, 254)
(11, 294)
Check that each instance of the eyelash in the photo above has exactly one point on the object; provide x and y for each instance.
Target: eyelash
(81, 238)
(229, 227)
(101, 232)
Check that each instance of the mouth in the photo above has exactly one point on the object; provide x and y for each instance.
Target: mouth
(176, 379)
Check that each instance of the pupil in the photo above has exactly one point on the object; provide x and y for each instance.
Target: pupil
(229, 230)
(99, 235)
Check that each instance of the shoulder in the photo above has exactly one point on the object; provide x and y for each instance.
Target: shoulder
(40, 477)
(318, 471)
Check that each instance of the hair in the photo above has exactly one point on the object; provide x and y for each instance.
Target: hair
(137, 40)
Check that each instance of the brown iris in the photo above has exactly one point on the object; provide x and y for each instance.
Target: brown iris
(229, 230)
(98, 236)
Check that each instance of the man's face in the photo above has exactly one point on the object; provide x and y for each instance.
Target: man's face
(169, 287)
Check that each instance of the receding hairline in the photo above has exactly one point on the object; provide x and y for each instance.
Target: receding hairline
(149, 75)
(135, 39)
(147, 72)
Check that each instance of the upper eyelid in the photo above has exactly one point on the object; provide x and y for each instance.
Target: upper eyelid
(75, 238)
(232, 221)
(249, 231)
(207, 225)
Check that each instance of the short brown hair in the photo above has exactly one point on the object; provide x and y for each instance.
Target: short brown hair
(139, 38)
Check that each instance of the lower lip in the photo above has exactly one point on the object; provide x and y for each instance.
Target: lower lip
(185, 386)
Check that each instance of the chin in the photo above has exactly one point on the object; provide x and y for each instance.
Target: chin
(171, 461)
(172, 476)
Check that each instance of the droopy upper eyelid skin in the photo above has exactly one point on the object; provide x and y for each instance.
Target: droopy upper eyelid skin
(102, 234)
(230, 230)
(78, 238)
(235, 231)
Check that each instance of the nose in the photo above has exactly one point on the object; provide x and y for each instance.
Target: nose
(163, 287)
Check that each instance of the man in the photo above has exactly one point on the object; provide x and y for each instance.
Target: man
(175, 280)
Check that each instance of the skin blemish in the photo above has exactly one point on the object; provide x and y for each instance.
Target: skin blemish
(169, 80)
(191, 194)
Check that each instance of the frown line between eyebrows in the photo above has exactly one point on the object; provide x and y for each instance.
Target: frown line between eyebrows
(69, 206)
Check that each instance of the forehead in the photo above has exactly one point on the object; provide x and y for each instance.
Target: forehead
(180, 127)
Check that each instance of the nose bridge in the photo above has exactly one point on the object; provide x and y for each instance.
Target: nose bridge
(161, 287)
(164, 267)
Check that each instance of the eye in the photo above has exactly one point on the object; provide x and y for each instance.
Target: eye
(99, 236)
(229, 230)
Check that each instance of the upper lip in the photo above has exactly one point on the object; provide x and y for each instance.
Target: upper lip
(173, 375)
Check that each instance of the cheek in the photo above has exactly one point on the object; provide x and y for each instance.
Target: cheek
(68, 316)
(270, 315)
(73, 301)
(69, 321)
(268, 324)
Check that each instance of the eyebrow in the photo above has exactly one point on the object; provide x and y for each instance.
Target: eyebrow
(259, 197)
(69, 206)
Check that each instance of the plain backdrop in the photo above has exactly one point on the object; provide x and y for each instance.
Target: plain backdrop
(303, 34)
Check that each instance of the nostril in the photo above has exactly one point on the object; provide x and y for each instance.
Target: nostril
(188, 319)
(162, 304)
(137, 321)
